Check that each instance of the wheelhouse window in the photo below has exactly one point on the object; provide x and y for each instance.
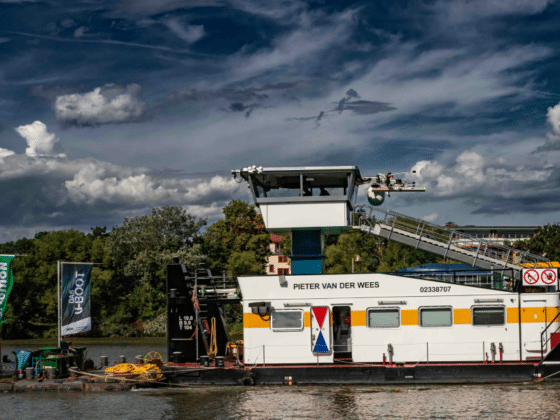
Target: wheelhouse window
(488, 315)
(383, 318)
(436, 317)
(290, 320)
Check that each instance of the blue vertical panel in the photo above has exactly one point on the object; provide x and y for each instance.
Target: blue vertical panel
(307, 266)
(307, 252)
(306, 242)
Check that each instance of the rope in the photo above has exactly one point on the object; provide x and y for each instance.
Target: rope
(213, 351)
(546, 377)
(194, 333)
(195, 301)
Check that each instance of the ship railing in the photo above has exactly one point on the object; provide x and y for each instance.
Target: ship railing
(217, 287)
(544, 335)
(446, 238)
(418, 352)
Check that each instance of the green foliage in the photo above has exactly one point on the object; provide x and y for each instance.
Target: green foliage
(127, 289)
(32, 308)
(395, 256)
(244, 263)
(286, 245)
(239, 244)
(339, 256)
(140, 250)
(375, 254)
(545, 243)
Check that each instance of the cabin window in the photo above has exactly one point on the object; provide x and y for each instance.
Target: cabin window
(488, 315)
(436, 317)
(384, 318)
(286, 320)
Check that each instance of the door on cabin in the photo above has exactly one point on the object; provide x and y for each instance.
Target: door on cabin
(534, 319)
(342, 332)
(321, 330)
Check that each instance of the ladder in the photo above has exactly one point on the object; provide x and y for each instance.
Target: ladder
(448, 243)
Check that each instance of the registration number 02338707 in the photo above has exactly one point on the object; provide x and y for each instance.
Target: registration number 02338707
(437, 289)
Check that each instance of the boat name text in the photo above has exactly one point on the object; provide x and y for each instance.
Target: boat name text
(344, 285)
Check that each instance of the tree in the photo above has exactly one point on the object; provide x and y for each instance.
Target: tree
(395, 256)
(140, 250)
(33, 304)
(545, 243)
(240, 243)
(339, 256)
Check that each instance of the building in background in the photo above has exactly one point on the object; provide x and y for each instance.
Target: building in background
(498, 235)
(278, 263)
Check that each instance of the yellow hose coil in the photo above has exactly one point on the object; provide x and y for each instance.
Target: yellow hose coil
(148, 372)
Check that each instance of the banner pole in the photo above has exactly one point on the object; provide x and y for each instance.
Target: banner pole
(58, 294)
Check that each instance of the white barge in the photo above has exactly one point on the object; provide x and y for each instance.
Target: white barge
(311, 327)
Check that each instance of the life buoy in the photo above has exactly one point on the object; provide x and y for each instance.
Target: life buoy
(247, 381)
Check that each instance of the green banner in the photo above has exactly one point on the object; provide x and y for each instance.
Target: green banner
(6, 282)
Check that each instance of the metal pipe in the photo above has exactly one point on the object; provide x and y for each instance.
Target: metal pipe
(501, 348)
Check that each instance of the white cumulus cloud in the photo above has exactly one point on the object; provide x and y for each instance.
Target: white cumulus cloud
(190, 33)
(5, 153)
(471, 174)
(103, 105)
(553, 118)
(96, 181)
(39, 141)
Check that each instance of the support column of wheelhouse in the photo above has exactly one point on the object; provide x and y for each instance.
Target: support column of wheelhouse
(307, 252)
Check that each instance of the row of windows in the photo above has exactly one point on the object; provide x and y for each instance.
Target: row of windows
(436, 317)
(292, 320)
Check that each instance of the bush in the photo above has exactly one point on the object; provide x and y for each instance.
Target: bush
(156, 327)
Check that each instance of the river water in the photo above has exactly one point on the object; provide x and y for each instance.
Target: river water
(521, 401)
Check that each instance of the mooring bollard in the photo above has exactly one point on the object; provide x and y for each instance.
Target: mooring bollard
(29, 373)
(219, 361)
(122, 359)
(139, 359)
(51, 372)
(104, 361)
(177, 356)
(204, 361)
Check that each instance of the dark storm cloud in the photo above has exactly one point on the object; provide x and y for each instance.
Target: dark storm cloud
(358, 106)
(529, 205)
(364, 107)
(237, 95)
(242, 99)
(152, 7)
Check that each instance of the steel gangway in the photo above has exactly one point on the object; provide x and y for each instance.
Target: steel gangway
(448, 243)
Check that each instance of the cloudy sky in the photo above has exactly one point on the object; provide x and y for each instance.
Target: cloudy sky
(108, 108)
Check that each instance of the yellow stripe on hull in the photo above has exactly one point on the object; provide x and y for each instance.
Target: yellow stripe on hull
(461, 316)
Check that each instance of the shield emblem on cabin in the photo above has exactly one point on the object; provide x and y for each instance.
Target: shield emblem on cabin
(320, 330)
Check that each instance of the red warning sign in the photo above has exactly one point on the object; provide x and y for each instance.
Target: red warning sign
(548, 276)
(531, 277)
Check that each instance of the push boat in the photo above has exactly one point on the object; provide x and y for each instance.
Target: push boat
(363, 328)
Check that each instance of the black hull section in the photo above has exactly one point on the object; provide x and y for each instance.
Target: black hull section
(372, 375)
